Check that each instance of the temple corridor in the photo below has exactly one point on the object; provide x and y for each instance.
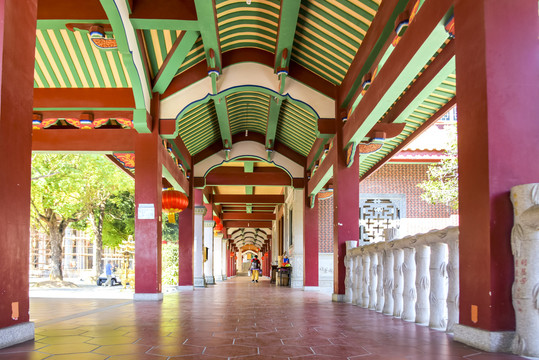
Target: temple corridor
(233, 319)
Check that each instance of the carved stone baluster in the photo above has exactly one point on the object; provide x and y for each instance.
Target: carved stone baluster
(358, 280)
(422, 284)
(409, 293)
(453, 286)
(525, 248)
(388, 282)
(366, 269)
(348, 263)
(373, 281)
(380, 283)
(398, 282)
(438, 281)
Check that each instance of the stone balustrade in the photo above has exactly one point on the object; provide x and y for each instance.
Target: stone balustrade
(415, 278)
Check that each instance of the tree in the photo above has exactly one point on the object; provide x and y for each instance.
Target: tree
(443, 177)
(109, 201)
(56, 200)
(68, 189)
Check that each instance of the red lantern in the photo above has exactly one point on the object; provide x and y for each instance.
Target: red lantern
(216, 219)
(217, 228)
(173, 202)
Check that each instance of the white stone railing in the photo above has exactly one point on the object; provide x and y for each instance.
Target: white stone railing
(415, 278)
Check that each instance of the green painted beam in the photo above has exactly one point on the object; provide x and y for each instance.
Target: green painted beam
(447, 70)
(207, 18)
(273, 120)
(288, 20)
(434, 41)
(118, 14)
(248, 167)
(183, 44)
(165, 24)
(323, 181)
(222, 117)
(387, 31)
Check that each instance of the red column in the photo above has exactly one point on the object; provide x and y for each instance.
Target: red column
(17, 37)
(497, 70)
(346, 210)
(186, 241)
(148, 188)
(310, 235)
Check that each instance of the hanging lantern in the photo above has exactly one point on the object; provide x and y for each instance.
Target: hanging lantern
(217, 228)
(217, 220)
(173, 202)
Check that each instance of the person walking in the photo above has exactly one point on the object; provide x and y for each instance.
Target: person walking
(255, 269)
(108, 271)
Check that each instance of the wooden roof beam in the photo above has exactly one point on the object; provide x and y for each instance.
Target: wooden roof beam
(172, 173)
(248, 224)
(443, 110)
(98, 140)
(129, 49)
(322, 175)
(278, 147)
(246, 216)
(253, 199)
(298, 72)
(85, 98)
(423, 38)
(207, 18)
(175, 58)
(437, 71)
(288, 19)
(375, 41)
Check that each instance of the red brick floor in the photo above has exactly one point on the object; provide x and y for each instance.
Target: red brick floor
(236, 319)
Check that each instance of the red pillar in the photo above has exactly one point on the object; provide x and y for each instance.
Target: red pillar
(310, 236)
(186, 241)
(148, 189)
(346, 210)
(497, 71)
(17, 37)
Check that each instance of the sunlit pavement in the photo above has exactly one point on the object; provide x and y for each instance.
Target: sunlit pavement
(236, 319)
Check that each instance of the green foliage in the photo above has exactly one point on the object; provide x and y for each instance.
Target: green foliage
(170, 231)
(119, 220)
(170, 260)
(58, 188)
(443, 177)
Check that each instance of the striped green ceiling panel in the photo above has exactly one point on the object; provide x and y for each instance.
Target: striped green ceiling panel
(158, 45)
(248, 110)
(438, 98)
(242, 25)
(199, 127)
(329, 33)
(67, 59)
(194, 56)
(297, 127)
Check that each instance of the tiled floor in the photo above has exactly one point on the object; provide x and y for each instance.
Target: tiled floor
(234, 319)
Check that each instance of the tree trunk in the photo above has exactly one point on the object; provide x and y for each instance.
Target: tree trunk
(57, 232)
(97, 226)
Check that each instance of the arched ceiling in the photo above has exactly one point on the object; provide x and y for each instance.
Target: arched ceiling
(252, 85)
